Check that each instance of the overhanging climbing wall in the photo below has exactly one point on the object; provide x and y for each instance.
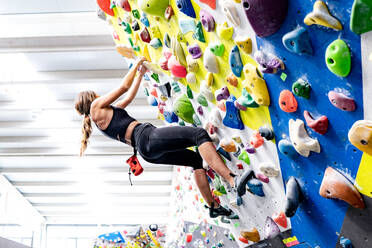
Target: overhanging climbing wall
(208, 71)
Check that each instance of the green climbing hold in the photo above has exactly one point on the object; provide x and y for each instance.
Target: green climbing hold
(153, 7)
(301, 88)
(236, 225)
(283, 76)
(244, 157)
(136, 14)
(184, 109)
(232, 237)
(197, 121)
(189, 92)
(202, 101)
(130, 41)
(136, 48)
(246, 100)
(217, 48)
(361, 16)
(338, 58)
(176, 87)
(126, 27)
(198, 34)
(155, 77)
(181, 123)
(146, 91)
(112, 5)
(218, 185)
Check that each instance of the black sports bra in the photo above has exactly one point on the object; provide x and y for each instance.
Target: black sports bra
(118, 124)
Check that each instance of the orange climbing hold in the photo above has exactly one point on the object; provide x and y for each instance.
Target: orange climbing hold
(210, 3)
(256, 139)
(105, 7)
(228, 145)
(154, 92)
(287, 101)
(252, 235)
(280, 219)
(221, 105)
(232, 80)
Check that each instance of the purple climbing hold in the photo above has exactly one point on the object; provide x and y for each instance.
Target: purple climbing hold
(239, 106)
(200, 110)
(268, 62)
(250, 149)
(265, 16)
(207, 20)
(222, 94)
(341, 101)
(271, 229)
(232, 118)
(195, 51)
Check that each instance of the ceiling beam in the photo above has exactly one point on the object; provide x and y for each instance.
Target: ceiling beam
(127, 194)
(71, 183)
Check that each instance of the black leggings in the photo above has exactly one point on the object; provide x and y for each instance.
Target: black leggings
(167, 145)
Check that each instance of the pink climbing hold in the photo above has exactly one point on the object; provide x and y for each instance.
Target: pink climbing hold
(124, 4)
(221, 105)
(280, 219)
(176, 68)
(287, 101)
(188, 237)
(200, 110)
(256, 139)
(163, 61)
(154, 93)
(116, 36)
(262, 178)
(161, 107)
(319, 125)
(341, 101)
(222, 94)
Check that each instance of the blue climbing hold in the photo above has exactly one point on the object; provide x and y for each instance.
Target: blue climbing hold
(167, 41)
(170, 117)
(298, 41)
(224, 153)
(235, 61)
(187, 25)
(152, 100)
(144, 20)
(286, 148)
(345, 243)
(239, 201)
(146, 77)
(255, 187)
(232, 118)
(185, 6)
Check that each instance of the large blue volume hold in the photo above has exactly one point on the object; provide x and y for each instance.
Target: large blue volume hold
(232, 118)
(235, 61)
(255, 186)
(185, 6)
(298, 41)
(286, 148)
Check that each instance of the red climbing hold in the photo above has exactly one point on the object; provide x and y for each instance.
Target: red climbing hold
(319, 125)
(178, 187)
(256, 139)
(154, 92)
(243, 240)
(116, 36)
(210, 3)
(280, 219)
(287, 101)
(341, 101)
(188, 237)
(240, 166)
(124, 4)
(145, 35)
(105, 7)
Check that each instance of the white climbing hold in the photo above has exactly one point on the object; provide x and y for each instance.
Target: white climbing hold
(191, 78)
(269, 170)
(210, 62)
(300, 138)
(215, 118)
(206, 91)
(230, 12)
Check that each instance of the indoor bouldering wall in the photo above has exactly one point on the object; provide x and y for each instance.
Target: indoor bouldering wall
(277, 85)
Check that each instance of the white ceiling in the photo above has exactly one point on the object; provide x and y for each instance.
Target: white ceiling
(45, 63)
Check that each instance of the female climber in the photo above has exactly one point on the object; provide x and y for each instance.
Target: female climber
(165, 145)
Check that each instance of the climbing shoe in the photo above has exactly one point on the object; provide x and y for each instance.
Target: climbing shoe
(220, 211)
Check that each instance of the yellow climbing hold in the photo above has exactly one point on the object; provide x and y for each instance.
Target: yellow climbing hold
(155, 32)
(209, 79)
(224, 31)
(360, 135)
(146, 53)
(237, 1)
(244, 43)
(256, 85)
(321, 16)
(178, 52)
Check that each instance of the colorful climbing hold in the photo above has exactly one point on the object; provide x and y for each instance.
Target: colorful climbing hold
(176, 87)
(165, 89)
(136, 14)
(321, 16)
(217, 48)
(210, 62)
(201, 100)
(185, 6)
(301, 141)
(105, 7)
(222, 105)
(156, 43)
(338, 58)
(256, 139)
(298, 41)
(178, 52)
(152, 100)
(125, 51)
(209, 79)
(269, 169)
(345, 243)
(244, 43)
(192, 64)
(227, 145)
(169, 12)
(286, 148)
(360, 135)
(206, 91)
(196, 120)
(207, 20)
(153, 7)
(189, 92)
(210, 3)
(186, 25)
(242, 184)
(361, 16)
(236, 64)
(341, 101)
(232, 80)
(243, 240)
(256, 85)
(145, 35)
(271, 229)
(198, 34)
(135, 26)
(170, 117)
(271, 15)
(144, 20)
(287, 101)
(184, 109)
(188, 237)
(319, 125)
(335, 185)
(124, 4)
(245, 101)
(167, 40)
(232, 118)
(231, 13)
(155, 32)
(252, 235)
(266, 132)
(244, 157)
(215, 118)
(176, 68)
(301, 88)
(255, 187)
(191, 78)
(268, 62)
(200, 110)
(224, 31)
(280, 219)
(293, 197)
(195, 51)
(222, 93)
(262, 178)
